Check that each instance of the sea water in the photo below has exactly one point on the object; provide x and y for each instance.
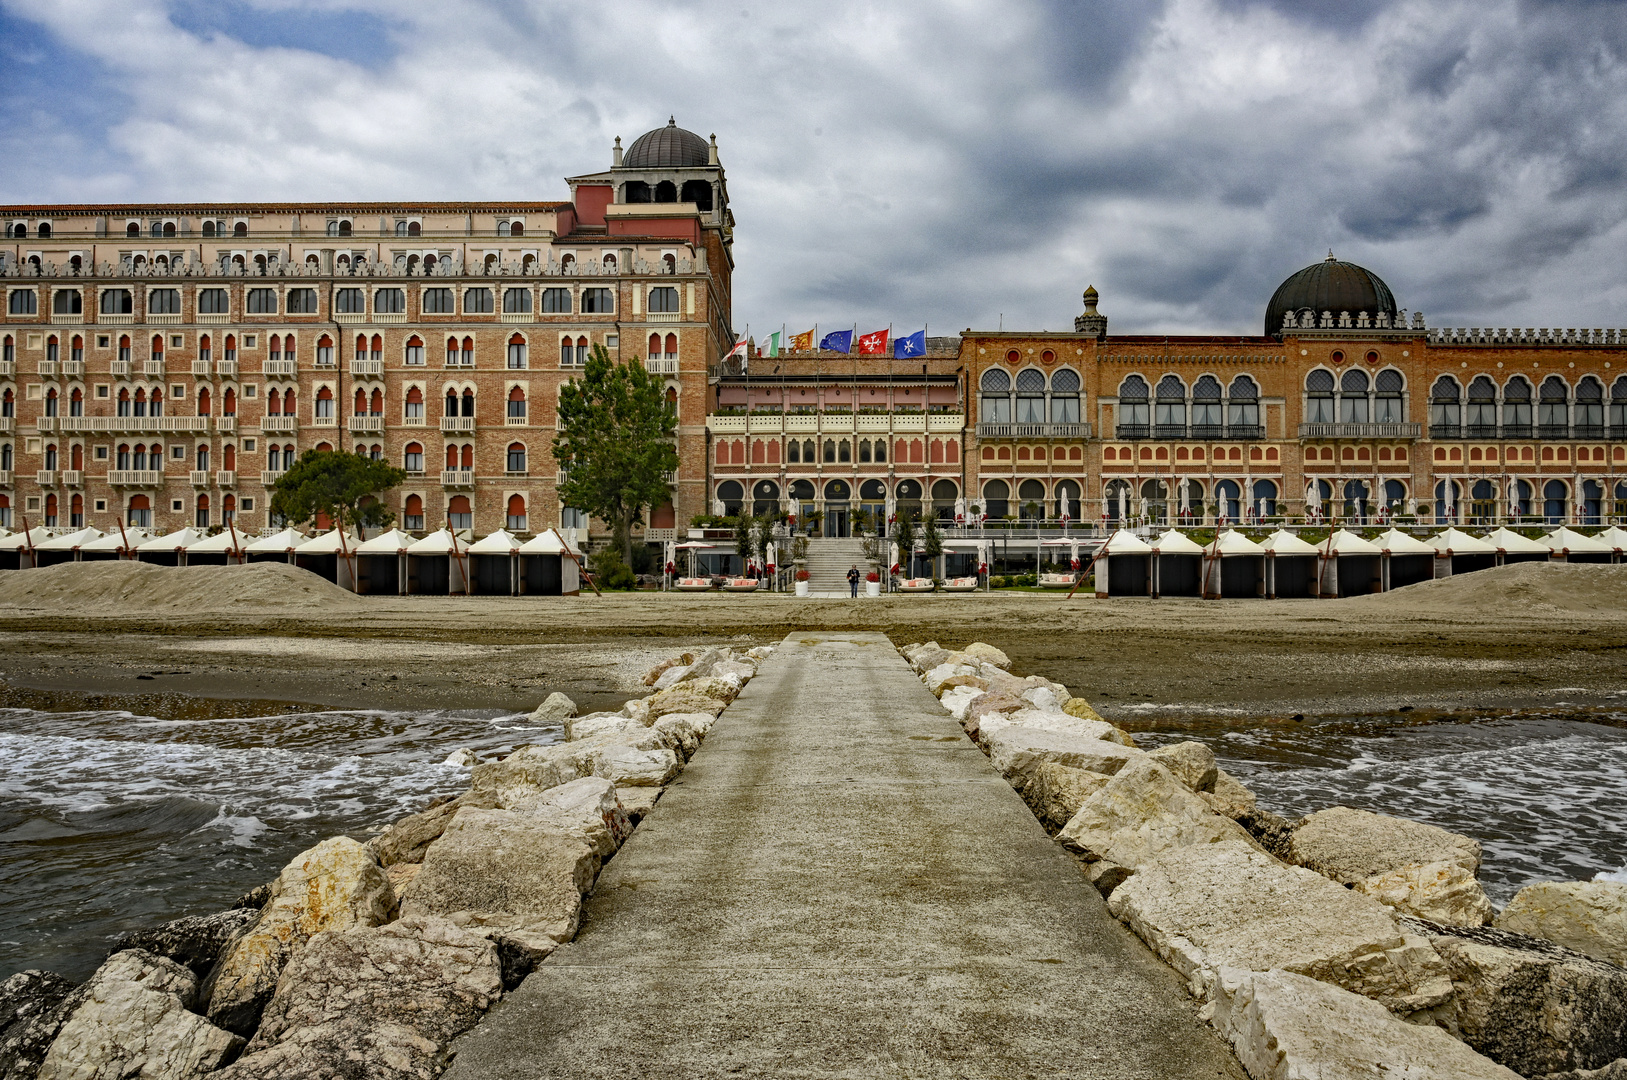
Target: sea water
(112, 822)
(1545, 795)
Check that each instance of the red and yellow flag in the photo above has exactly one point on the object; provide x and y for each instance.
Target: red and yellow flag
(803, 342)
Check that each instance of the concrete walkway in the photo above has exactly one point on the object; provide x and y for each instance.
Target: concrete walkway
(840, 885)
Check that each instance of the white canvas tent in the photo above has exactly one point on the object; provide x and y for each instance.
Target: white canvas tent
(117, 544)
(1614, 538)
(1177, 566)
(381, 563)
(1403, 560)
(549, 566)
(1457, 552)
(1512, 547)
(1571, 546)
(65, 548)
(170, 549)
(17, 549)
(1348, 565)
(1233, 566)
(223, 548)
(278, 546)
(495, 564)
(1290, 565)
(438, 564)
(1129, 566)
(331, 555)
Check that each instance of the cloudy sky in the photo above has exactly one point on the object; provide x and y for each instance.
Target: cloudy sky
(951, 163)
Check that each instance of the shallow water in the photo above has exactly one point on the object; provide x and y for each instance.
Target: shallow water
(111, 822)
(1545, 796)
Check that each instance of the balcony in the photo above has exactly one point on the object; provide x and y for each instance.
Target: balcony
(1244, 431)
(1438, 431)
(8, 369)
(186, 425)
(7, 424)
(161, 319)
(226, 478)
(349, 318)
(367, 425)
(153, 369)
(1480, 431)
(73, 369)
(1033, 431)
(279, 425)
(226, 425)
(48, 369)
(514, 421)
(663, 316)
(279, 369)
(458, 425)
(45, 425)
(412, 421)
(268, 477)
(661, 367)
(68, 320)
(46, 478)
(136, 477)
(108, 318)
(325, 421)
(367, 369)
(1131, 431)
(458, 478)
(517, 317)
(1516, 431)
(226, 369)
(1588, 431)
(200, 477)
(1169, 431)
(119, 369)
(5, 477)
(73, 478)
(200, 369)
(213, 318)
(1367, 431)
(1553, 431)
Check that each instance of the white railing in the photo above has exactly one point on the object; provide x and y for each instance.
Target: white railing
(136, 477)
(45, 425)
(67, 320)
(119, 369)
(660, 367)
(5, 477)
(279, 369)
(214, 319)
(153, 369)
(279, 425)
(45, 478)
(73, 369)
(200, 369)
(268, 477)
(458, 478)
(200, 477)
(7, 424)
(227, 369)
(226, 478)
(367, 369)
(663, 316)
(325, 421)
(73, 477)
(226, 425)
(458, 424)
(162, 319)
(367, 425)
(48, 369)
(110, 319)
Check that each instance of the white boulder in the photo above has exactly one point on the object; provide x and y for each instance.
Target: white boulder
(588, 805)
(555, 708)
(1192, 763)
(988, 654)
(1442, 892)
(1589, 917)
(1142, 812)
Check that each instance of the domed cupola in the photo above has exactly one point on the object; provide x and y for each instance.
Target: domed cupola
(1334, 287)
(670, 147)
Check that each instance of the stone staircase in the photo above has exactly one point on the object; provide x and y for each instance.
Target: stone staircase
(828, 563)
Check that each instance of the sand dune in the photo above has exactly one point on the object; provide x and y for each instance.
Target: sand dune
(135, 588)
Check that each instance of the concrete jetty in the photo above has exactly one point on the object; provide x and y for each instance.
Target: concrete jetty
(841, 885)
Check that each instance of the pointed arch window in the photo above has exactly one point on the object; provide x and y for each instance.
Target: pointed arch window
(1618, 407)
(1134, 413)
(1387, 404)
(1169, 419)
(1480, 418)
(1588, 423)
(1206, 408)
(1553, 409)
(1319, 397)
(1065, 397)
(1243, 408)
(1445, 409)
(1353, 401)
(1030, 396)
(994, 404)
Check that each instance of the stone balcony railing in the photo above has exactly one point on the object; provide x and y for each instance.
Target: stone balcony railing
(835, 423)
(1390, 430)
(136, 477)
(1033, 431)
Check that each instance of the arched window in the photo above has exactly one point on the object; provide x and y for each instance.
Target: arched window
(516, 353)
(51, 402)
(343, 228)
(1067, 500)
(290, 403)
(1481, 416)
(451, 402)
(53, 349)
(361, 403)
(1169, 421)
(1206, 408)
(228, 405)
(1243, 408)
(72, 301)
(1387, 400)
(1030, 396)
(994, 406)
(664, 298)
(1353, 386)
(609, 262)
(1445, 412)
(1319, 397)
(996, 499)
(516, 406)
(412, 513)
(516, 513)
(76, 402)
(459, 513)
(731, 494)
(45, 230)
(1553, 408)
(1618, 409)
(376, 404)
(451, 352)
(1589, 418)
(516, 457)
(414, 406)
(468, 403)
(133, 229)
(1264, 499)
(413, 459)
(204, 401)
(203, 458)
(324, 403)
(1554, 499)
(1133, 410)
(672, 347)
(1065, 397)
(228, 457)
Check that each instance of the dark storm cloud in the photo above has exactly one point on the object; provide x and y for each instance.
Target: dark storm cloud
(910, 163)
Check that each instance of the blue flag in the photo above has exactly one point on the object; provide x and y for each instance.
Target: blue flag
(840, 341)
(913, 345)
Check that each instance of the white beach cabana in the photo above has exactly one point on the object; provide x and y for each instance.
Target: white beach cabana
(495, 564)
(438, 564)
(169, 549)
(1403, 560)
(381, 563)
(116, 544)
(225, 548)
(1514, 548)
(1456, 552)
(331, 555)
(1614, 538)
(1177, 566)
(17, 549)
(275, 547)
(64, 548)
(1233, 566)
(1572, 546)
(1129, 566)
(1348, 565)
(1290, 566)
(549, 566)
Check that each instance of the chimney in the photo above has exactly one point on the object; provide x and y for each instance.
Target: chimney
(711, 151)
(615, 155)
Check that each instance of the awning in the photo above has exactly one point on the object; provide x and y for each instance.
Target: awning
(1232, 542)
(1571, 542)
(1176, 543)
(1283, 542)
(1458, 542)
(76, 539)
(1510, 542)
(393, 542)
(501, 542)
(36, 536)
(1396, 542)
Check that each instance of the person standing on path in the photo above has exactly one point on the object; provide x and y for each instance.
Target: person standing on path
(853, 580)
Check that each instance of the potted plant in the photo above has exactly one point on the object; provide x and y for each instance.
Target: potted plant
(815, 517)
(802, 582)
(872, 584)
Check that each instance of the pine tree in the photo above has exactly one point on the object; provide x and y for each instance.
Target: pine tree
(342, 487)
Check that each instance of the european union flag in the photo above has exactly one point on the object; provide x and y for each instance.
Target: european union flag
(840, 341)
(913, 345)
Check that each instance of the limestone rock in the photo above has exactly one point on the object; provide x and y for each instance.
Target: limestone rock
(406, 840)
(938, 677)
(1589, 917)
(1192, 763)
(1285, 1026)
(555, 708)
(989, 703)
(462, 759)
(1142, 812)
(627, 766)
(964, 681)
(956, 698)
(1056, 792)
(1041, 720)
(1042, 697)
(1442, 892)
(1273, 832)
(736, 669)
(132, 1020)
(588, 806)
(33, 1006)
(1348, 845)
(195, 942)
(684, 698)
(638, 802)
(528, 770)
(377, 1002)
(664, 666)
(588, 727)
(638, 709)
(1228, 797)
(684, 739)
(1081, 708)
(701, 723)
(988, 654)
(924, 658)
(1017, 751)
(335, 885)
(671, 677)
(705, 664)
(1204, 907)
(1616, 1070)
(1529, 1004)
(402, 875)
(508, 876)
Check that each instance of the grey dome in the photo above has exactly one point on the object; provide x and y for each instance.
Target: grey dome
(670, 147)
(1333, 286)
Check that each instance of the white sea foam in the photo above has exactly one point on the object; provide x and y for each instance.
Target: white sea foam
(1612, 875)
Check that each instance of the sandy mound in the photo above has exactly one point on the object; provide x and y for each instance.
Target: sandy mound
(1575, 588)
(135, 588)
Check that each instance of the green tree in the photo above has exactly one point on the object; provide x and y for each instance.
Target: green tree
(342, 487)
(932, 545)
(904, 537)
(615, 440)
(743, 538)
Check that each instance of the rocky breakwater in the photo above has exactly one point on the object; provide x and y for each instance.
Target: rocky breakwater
(1345, 944)
(365, 960)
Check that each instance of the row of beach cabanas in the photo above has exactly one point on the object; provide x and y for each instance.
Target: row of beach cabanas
(1344, 564)
(393, 562)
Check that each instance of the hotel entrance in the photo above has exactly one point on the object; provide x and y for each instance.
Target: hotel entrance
(837, 494)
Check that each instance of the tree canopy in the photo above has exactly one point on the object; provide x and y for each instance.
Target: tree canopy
(342, 487)
(615, 443)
